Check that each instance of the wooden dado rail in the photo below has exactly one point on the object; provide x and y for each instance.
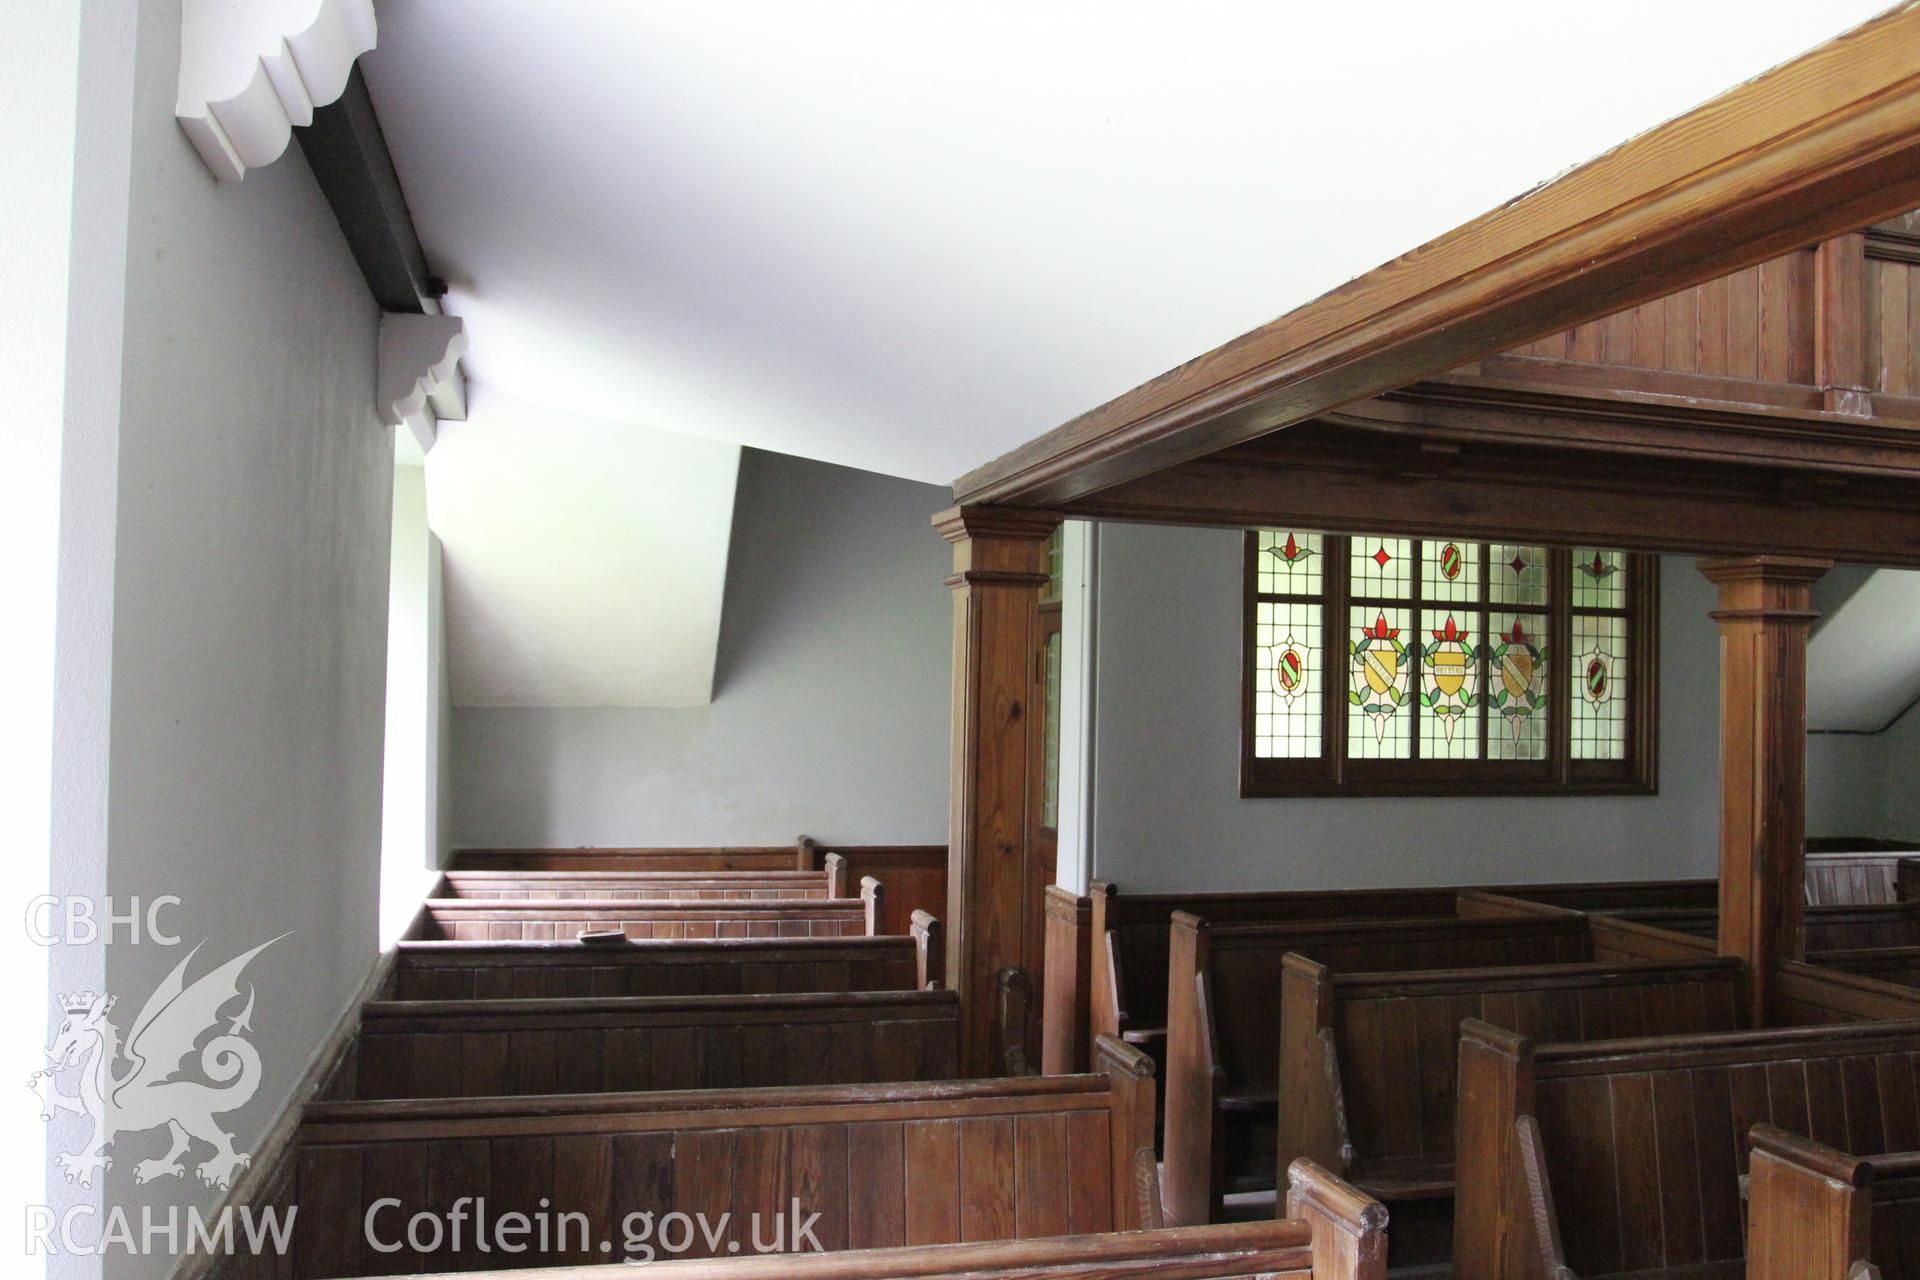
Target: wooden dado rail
(1625, 1156)
(481, 1048)
(1330, 1234)
(729, 886)
(708, 967)
(883, 1164)
(1817, 1213)
(1223, 1035)
(1367, 1061)
(532, 920)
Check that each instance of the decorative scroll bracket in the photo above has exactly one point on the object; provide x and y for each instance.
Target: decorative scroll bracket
(420, 379)
(250, 72)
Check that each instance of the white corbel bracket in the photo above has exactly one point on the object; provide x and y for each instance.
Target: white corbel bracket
(250, 70)
(420, 379)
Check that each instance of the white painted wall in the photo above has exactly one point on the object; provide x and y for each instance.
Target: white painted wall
(585, 558)
(1166, 797)
(413, 840)
(249, 584)
(829, 714)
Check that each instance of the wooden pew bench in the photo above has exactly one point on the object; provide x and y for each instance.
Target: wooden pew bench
(480, 1048)
(1816, 1213)
(1367, 1061)
(1330, 1233)
(1624, 1157)
(883, 1164)
(1223, 1034)
(730, 966)
(725, 886)
(564, 919)
(1862, 877)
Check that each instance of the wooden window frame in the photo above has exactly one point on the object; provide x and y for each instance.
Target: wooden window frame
(1333, 774)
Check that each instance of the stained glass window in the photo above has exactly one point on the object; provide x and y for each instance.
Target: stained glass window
(1434, 665)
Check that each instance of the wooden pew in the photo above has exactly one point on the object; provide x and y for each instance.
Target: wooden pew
(548, 920)
(482, 1048)
(1899, 965)
(1862, 877)
(1624, 1157)
(883, 1164)
(432, 970)
(1330, 1233)
(1223, 1038)
(1818, 1213)
(1126, 953)
(723, 886)
(1367, 1061)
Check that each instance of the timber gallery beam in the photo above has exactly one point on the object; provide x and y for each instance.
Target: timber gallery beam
(1819, 146)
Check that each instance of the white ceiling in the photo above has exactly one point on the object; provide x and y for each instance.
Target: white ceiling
(909, 236)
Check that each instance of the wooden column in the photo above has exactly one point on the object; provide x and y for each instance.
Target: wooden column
(1839, 324)
(999, 569)
(1765, 610)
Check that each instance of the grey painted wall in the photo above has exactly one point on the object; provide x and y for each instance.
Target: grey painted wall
(830, 704)
(1167, 810)
(250, 594)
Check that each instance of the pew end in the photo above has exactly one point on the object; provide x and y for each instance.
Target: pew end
(1349, 1228)
(1810, 1209)
(1136, 1169)
(871, 894)
(836, 868)
(930, 950)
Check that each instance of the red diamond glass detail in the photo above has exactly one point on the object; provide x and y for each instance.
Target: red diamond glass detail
(1518, 566)
(1381, 557)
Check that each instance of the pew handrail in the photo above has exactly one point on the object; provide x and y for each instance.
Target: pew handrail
(929, 950)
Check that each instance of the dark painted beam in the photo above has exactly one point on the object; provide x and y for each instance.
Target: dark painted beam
(348, 154)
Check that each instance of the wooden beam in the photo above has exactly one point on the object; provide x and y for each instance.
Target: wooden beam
(347, 152)
(1346, 481)
(1821, 145)
(1765, 612)
(999, 571)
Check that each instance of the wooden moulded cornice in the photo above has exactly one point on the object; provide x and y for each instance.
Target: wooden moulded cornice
(1819, 146)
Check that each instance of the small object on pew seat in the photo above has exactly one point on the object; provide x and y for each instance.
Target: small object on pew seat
(603, 937)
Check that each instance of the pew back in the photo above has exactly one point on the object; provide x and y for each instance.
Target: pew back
(1223, 1038)
(1817, 1213)
(533, 970)
(480, 1048)
(883, 1165)
(1862, 878)
(719, 886)
(561, 919)
(1625, 1156)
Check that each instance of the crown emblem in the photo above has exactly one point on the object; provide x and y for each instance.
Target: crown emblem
(81, 1002)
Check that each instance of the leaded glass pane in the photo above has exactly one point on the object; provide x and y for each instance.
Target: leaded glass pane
(1382, 568)
(1380, 683)
(1517, 575)
(1518, 707)
(1050, 806)
(1600, 678)
(1287, 673)
(1450, 686)
(1599, 578)
(1451, 570)
(1289, 563)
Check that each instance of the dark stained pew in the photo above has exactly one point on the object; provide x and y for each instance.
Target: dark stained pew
(1807, 995)
(549, 920)
(726, 886)
(482, 1048)
(1828, 928)
(1624, 1157)
(733, 966)
(1223, 1035)
(1889, 964)
(1367, 1061)
(1817, 1213)
(883, 1164)
(1330, 1234)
